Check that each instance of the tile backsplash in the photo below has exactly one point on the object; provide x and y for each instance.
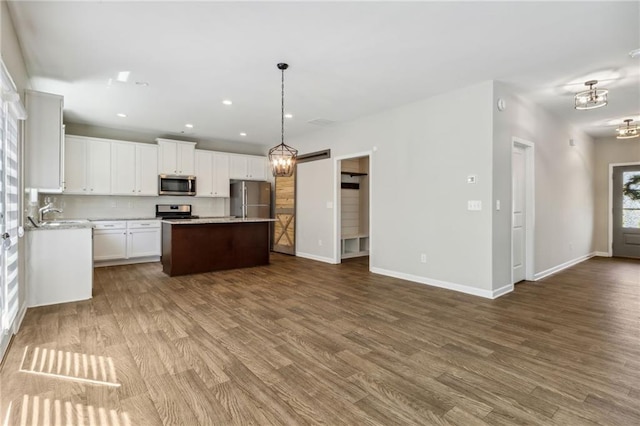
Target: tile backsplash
(121, 207)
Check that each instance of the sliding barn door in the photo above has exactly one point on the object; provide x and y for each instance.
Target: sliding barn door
(284, 229)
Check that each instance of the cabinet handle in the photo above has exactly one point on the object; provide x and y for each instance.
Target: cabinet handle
(138, 190)
(145, 224)
(108, 226)
(92, 189)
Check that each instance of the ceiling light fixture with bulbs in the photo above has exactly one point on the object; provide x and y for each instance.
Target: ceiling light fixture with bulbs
(282, 157)
(592, 98)
(629, 131)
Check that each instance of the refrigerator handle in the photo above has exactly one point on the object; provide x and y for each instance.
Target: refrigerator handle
(245, 200)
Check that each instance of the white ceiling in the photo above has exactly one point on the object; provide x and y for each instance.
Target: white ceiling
(347, 59)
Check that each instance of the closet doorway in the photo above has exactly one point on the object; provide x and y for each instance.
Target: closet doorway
(354, 207)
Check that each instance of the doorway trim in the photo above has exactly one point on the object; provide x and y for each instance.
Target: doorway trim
(530, 199)
(337, 217)
(610, 213)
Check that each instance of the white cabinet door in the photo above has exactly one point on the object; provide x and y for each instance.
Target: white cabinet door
(167, 157)
(220, 175)
(176, 157)
(186, 159)
(123, 168)
(257, 168)
(76, 165)
(99, 167)
(237, 167)
(109, 244)
(44, 142)
(247, 167)
(203, 172)
(146, 169)
(143, 238)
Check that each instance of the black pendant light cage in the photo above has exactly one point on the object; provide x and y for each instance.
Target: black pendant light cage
(282, 157)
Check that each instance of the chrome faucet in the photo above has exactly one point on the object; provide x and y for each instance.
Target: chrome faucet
(46, 209)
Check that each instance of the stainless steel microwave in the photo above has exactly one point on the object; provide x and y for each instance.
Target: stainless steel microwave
(176, 185)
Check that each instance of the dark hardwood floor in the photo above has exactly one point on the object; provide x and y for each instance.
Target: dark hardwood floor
(302, 342)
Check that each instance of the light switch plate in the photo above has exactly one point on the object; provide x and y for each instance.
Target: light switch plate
(329, 204)
(474, 205)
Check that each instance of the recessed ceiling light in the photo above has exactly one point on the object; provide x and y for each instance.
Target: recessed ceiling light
(142, 83)
(189, 126)
(123, 76)
(635, 53)
(227, 102)
(243, 134)
(288, 115)
(121, 115)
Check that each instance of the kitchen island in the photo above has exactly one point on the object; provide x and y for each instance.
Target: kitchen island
(191, 246)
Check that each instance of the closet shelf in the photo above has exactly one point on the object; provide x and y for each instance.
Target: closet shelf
(352, 174)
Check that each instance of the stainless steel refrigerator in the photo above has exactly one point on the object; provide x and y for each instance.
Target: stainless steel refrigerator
(251, 199)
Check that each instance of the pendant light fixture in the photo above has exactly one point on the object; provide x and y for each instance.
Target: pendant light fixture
(629, 131)
(282, 157)
(592, 98)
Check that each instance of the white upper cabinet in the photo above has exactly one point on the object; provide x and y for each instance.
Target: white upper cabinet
(87, 166)
(220, 175)
(176, 157)
(146, 169)
(134, 168)
(204, 173)
(248, 167)
(212, 174)
(44, 142)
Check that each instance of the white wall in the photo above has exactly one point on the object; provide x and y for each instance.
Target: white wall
(425, 151)
(119, 207)
(135, 136)
(564, 186)
(609, 151)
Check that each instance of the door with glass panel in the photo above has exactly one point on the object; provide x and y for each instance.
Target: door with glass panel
(626, 211)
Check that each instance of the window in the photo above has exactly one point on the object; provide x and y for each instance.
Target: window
(11, 112)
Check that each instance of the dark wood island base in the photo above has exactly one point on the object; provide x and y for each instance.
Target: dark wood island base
(191, 247)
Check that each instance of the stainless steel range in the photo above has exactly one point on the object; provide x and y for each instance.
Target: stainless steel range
(174, 211)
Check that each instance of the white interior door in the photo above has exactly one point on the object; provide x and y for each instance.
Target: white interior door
(519, 221)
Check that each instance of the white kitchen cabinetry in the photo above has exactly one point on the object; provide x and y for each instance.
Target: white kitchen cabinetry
(126, 241)
(247, 167)
(60, 268)
(143, 238)
(176, 157)
(134, 168)
(87, 166)
(44, 142)
(110, 240)
(212, 174)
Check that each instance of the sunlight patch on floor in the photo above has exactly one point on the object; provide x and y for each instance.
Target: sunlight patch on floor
(36, 411)
(95, 369)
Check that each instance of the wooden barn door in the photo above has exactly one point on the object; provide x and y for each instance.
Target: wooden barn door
(284, 237)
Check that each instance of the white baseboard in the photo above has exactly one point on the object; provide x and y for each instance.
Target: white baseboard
(314, 257)
(502, 291)
(562, 266)
(488, 294)
(117, 262)
(601, 254)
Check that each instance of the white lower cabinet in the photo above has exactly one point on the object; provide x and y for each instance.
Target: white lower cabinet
(59, 267)
(126, 241)
(143, 238)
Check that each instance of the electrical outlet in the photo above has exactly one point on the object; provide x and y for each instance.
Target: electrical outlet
(319, 242)
(423, 258)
